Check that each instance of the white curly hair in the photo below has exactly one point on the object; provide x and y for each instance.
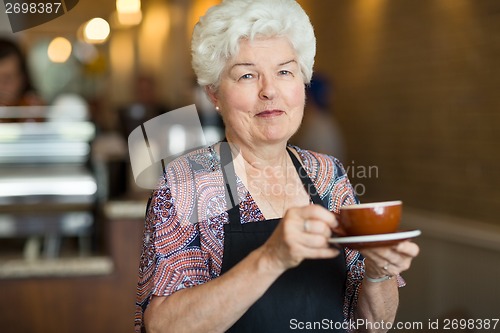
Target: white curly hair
(216, 36)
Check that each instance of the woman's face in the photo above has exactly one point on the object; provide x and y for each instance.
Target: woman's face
(261, 93)
(11, 80)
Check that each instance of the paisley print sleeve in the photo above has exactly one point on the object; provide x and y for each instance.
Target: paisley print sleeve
(172, 258)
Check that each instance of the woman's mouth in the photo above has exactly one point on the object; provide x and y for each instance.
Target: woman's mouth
(270, 113)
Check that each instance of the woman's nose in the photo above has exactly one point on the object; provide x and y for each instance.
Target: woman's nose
(268, 88)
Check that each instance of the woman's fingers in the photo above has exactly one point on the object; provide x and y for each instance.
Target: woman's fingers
(302, 215)
(390, 260)
(303, 233)
(408, 248)
(325, 216)
(320, 253)
(309, 229)
(309, 226)
(316, 227)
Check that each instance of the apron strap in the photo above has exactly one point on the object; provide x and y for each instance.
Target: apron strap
(229, 176)
(306, 181)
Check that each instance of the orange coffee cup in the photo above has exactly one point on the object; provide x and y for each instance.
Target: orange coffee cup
(370, 218)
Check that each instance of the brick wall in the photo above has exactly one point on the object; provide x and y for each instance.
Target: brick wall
(416, 95)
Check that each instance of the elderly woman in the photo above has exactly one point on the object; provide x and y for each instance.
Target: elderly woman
(236, 235)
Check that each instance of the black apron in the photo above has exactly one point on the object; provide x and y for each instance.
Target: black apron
(310, 292)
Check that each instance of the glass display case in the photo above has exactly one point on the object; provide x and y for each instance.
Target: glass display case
(47, 188)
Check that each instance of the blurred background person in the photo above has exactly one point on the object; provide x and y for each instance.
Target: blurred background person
(319, 121)
(16, 88)
(144, 106)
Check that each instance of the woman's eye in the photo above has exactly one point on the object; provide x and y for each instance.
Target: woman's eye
(285, 72)
(246, 76)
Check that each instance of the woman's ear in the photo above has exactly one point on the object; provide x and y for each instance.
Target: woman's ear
(212, 95)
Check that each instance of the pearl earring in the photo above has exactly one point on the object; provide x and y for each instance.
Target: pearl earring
(217, 108)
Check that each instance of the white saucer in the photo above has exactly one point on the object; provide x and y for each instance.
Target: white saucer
(374, 240)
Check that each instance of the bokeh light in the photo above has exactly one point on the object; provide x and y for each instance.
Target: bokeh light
(96, 31)
(59, 50)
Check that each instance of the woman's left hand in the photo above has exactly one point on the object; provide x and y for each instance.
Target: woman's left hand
(390, 260)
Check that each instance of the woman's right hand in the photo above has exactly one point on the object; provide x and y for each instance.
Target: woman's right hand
(302, 233)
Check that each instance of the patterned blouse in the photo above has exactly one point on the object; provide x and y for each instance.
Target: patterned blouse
(183, 242)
